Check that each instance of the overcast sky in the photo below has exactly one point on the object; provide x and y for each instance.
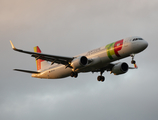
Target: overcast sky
(68, 28)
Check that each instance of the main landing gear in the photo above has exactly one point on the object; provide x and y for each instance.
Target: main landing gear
(74, 74)
(101, 78)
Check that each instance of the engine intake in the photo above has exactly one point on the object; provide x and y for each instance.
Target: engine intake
(79, 62)
(120, 68)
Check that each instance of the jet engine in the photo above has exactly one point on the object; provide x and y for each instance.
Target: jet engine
(79, 62)
(120, 68)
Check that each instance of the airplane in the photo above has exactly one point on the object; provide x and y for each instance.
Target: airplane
(97, 60)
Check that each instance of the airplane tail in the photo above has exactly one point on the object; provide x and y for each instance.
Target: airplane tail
(40, 64)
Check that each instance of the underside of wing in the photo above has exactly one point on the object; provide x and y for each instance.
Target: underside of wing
(106, 68)
(116, 68)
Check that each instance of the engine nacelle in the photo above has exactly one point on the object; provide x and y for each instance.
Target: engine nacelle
(79, 62)
(120, 68)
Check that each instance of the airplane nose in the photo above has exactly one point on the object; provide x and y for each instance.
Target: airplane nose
(145, 44)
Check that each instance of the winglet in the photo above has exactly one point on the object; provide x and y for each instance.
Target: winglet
(12, 45)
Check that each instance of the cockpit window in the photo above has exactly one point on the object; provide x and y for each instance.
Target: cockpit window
(137, 39)
(140, 38)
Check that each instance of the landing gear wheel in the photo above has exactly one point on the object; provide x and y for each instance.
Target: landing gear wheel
(101, 78)
(74, 74)
(133, 62)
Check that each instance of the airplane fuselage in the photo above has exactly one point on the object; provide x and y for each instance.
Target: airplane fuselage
(97, 58)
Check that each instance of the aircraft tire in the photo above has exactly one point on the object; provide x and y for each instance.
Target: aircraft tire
(101, 78)
(74, 74)
(133, 62)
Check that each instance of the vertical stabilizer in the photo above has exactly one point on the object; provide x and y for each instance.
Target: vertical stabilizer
(41, 64)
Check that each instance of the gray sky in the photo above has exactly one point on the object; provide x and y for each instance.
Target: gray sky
(70, 27)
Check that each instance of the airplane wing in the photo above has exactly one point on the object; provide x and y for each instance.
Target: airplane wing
(109, 68)
(51, 58)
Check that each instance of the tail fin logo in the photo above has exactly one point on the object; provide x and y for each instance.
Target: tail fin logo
(38, 62)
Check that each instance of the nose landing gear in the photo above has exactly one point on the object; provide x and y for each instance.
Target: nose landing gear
(133, 61)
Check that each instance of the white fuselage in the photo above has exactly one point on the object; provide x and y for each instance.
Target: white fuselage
(98, 58)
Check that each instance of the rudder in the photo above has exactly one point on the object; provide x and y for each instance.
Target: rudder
(41, 64)
(38, 62)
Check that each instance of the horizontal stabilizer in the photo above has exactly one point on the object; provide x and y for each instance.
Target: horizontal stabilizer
(27, 71)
